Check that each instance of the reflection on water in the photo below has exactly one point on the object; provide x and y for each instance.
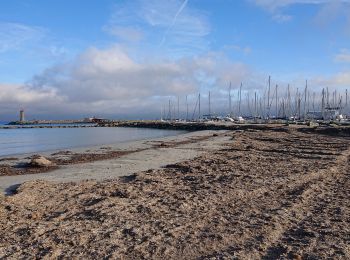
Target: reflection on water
(32, 140)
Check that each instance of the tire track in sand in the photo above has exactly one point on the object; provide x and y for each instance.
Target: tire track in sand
(307, 193)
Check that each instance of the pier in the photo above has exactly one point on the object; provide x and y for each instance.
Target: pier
(48, 126)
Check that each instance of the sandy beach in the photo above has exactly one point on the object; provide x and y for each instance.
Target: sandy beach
(277, 193)
(114, 160)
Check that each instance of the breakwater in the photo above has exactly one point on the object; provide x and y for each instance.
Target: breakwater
(48, 126)
(329, 129)
(326, 129)
(48, 122)
(191, 126)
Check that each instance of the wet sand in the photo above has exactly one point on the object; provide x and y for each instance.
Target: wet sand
(258, 195)
(106, 162)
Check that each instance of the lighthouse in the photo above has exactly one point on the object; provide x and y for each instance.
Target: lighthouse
(21, 115)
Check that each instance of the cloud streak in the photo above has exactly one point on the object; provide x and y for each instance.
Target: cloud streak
(127, 33)
(14, 36)
(273, 5)
(180, 34)
(328, 8)
(173, 21)
(343, 56)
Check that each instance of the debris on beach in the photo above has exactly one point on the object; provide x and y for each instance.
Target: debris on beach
(41, 161)
(264, 195)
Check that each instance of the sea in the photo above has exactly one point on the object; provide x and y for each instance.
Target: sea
(35, 140)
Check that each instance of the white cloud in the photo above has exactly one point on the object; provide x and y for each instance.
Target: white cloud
(329, 8)
(282, 18)
(181, 8)
(177, 28)
(276, 4)
(129, 78)
(339, 81)
(110, 82)
(40, 101)
(14, 36)
(96, 62)
(21, 94)
(242, 49)
(342, 79)
(343, 56)
(126, 33)
(58, 51)
(30, 43)
(330, 11)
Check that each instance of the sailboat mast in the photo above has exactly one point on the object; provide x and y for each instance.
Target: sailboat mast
(346, 100)
(161, 113)
(230, 101)
(186, 109)
(169, 113)
(289, 102)
(209, 105)
(178, 108)
(276, 101)
(268, 98)
(248, 101)
(240, 100)
(255, 108)
(299, 102)
(199, 105)
(305, 97)
(322, 105)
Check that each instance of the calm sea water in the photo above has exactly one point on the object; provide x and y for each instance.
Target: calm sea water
(33, 140)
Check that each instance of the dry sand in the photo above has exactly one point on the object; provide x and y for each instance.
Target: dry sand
(259, 195)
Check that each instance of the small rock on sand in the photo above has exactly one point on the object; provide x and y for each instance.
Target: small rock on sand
(41, 161)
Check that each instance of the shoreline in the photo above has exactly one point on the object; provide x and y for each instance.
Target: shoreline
(74, 162)
(327, 129)
(103, 157)
(84, 148)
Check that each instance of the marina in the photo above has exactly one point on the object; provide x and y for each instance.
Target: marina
(264, 105)
(267, 105)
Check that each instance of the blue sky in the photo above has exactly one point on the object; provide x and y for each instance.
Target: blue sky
(126, 58)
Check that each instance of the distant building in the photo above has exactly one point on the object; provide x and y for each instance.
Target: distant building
(331, 113)
(99, 120)
(88, 120)
(95, 120)
(314, 115)
(21, 115)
